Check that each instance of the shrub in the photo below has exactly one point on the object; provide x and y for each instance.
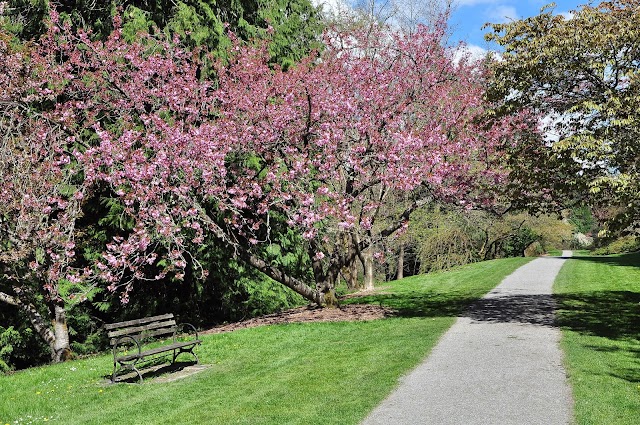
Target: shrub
(581, 241)
(619, 246)
(8, 337)
(534, 250)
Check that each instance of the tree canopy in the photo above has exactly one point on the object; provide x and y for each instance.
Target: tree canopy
(312, 151)
(583, 74)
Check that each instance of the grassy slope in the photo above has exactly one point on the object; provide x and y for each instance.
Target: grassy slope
(330, 373)
(600, 315)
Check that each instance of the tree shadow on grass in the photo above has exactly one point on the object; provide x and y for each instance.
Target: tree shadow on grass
(626, 260)
(627, 359)
(531, 309)
(624, 362)
(628, 374)
(420, 304)
(609, 314)
(613, 314)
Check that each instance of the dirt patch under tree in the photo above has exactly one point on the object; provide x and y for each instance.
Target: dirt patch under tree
(348, 312)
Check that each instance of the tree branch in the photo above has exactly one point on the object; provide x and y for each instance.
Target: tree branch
(279, 276)
(6, 298)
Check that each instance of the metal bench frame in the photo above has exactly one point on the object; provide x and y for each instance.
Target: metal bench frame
(136, 333)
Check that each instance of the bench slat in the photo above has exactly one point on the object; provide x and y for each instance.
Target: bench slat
(117, 325)
(140, 329)
(158, 350)
(139, 336)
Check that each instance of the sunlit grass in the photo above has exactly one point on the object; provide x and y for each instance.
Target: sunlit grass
(599, 300)
(329, 373)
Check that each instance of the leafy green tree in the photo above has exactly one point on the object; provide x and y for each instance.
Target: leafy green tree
(20, 346)
(582, 73)
(582, 219)
(442, 237)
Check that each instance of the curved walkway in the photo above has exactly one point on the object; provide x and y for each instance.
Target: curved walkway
(499, 364)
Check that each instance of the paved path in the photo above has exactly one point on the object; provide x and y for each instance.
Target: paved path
(500, 364)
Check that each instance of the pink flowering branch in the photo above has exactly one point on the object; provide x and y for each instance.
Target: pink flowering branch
(325, 146)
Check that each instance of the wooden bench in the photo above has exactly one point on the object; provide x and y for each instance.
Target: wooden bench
(128, 340)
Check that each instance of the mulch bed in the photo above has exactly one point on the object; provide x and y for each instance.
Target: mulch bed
(348, 312)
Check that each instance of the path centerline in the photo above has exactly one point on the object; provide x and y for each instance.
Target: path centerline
(498, 364)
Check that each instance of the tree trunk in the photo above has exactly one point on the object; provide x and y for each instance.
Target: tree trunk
(483, 253)
(57, 338)
(61, 350)
(350, 272)
(327, 288)
(368, 269)
(400, 272)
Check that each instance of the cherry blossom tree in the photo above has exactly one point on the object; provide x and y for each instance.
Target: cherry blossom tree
(40, 204)
(319, 147)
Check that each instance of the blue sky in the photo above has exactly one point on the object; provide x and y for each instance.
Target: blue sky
(470, 15)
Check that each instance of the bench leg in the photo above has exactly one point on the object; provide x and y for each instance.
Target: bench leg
(113, 375)
(131, 366)
(178, 351)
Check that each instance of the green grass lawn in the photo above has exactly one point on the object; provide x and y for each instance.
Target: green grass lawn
(599, 300)
(329, 373)
(554, 252)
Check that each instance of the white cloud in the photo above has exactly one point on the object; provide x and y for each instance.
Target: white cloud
(472, 52)
(502, 13)
(566, 15)
(474, 2)
(333, 7)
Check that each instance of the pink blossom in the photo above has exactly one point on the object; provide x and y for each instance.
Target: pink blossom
(330, 146)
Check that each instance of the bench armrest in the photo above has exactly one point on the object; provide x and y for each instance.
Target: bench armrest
(120, 340)
(188, 327)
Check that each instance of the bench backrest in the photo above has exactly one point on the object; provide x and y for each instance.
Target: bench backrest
(142, 329)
